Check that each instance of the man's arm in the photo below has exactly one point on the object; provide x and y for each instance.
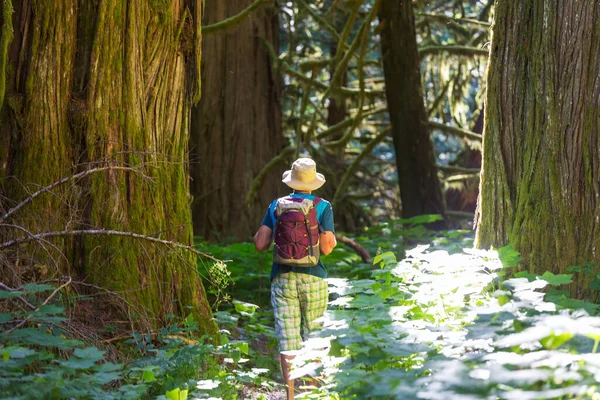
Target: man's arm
(327, 242)
(262, 238)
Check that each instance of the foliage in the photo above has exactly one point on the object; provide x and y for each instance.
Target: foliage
(334, 99)
(440, 325)
(41, 360)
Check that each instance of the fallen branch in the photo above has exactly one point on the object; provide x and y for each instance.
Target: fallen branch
(361, 251)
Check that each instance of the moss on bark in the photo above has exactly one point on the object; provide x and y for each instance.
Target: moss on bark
(420, 189)
(126, 102)
(236, 128)
(541, 156)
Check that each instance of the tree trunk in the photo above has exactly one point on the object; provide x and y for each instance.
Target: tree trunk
(540, 183)
(236, 128)
(109, 83)
(420, 190)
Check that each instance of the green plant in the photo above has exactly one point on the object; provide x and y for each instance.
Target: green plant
(40, 361)
(434, 326)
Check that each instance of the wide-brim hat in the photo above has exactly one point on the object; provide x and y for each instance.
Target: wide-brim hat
(303, 175)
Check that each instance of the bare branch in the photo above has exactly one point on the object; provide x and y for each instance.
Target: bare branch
(30, 316)
(455, 50)
(455, 131)
(231, 21)
(104, 232)
(58, 183)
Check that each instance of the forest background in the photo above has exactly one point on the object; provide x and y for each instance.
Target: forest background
(132, 132)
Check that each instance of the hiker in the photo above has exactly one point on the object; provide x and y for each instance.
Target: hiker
(302, 227)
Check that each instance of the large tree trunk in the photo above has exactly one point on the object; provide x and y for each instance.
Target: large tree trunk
(540, 184)
(236, 128)
(420, 190)
(109, 83)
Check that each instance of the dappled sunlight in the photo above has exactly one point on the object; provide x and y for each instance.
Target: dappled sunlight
(440, 325)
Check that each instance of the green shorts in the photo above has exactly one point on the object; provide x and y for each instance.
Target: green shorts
(298, 300)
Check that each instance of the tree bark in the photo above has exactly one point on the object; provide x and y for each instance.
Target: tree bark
(236, 127)
(540, 183)
(420, 190)
(108, 83)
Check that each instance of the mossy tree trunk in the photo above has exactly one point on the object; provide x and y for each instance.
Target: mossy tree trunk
(540, 183)
(420, 190)
(236, 127)
(109, 83)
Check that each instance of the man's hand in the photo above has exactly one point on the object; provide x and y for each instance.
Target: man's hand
(327, 242)
(262, 238)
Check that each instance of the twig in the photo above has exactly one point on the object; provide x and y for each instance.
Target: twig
(106, 232)
(9, 289)
(231, 21)
(456, 50)
(30, 316)
(350, 170)
(262, 175)
(55, 184)
(455, 131)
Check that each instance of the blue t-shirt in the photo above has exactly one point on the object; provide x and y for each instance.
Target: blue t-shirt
(325, 218)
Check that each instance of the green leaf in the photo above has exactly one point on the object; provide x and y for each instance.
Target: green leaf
(17, 352)
(366, 301)
(387, 257)
(336, 348)
(557, 280)
(148, 375)
(518, 325)
(90, 353)
(420, 219)
(595, 284)
(42, 338)
(553, 342)
(177, 394)
(37, 287)
(525, 274)
(247, 309)
(241, 346)
(503, 299)
(77, 363)
(5, 294)
(509, 256)
(49, 309)
(5, 318)
(574, 268)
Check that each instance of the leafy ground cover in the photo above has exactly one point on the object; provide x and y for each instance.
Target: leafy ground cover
(442, 322)
(439, 325)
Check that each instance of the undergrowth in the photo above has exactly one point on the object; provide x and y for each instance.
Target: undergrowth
(442, 322)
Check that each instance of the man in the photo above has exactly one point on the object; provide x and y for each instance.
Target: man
(298, 293)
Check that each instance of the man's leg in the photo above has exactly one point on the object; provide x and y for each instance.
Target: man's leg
(286, 364)
(313, 295)
(286, 308)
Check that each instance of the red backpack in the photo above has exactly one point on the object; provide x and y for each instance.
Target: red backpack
(296, 232)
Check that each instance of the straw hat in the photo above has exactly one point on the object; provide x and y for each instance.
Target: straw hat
(303, 175)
